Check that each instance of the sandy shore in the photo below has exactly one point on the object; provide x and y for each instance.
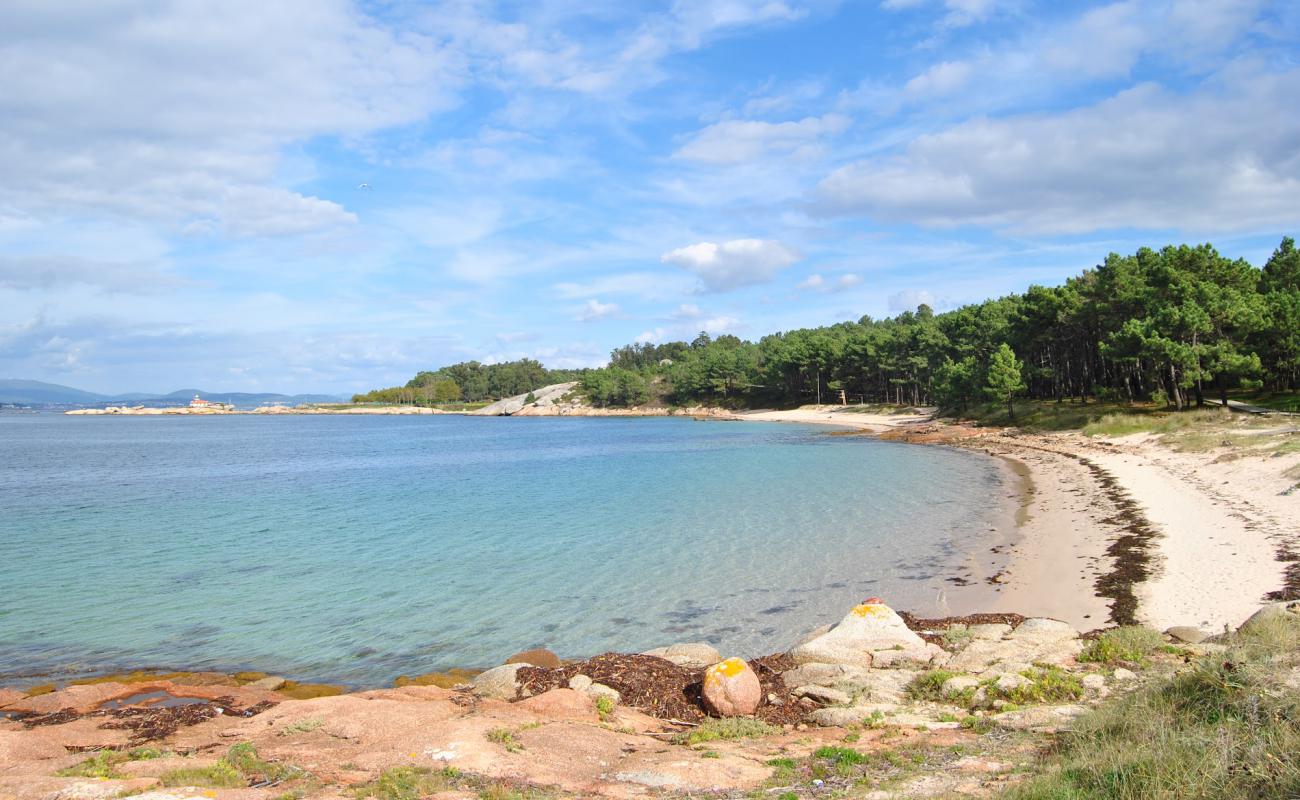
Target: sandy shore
(1125, 529)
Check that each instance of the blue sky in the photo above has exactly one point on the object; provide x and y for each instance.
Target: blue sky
(328, 196)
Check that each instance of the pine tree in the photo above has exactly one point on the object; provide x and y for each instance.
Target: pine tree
(1005, 376)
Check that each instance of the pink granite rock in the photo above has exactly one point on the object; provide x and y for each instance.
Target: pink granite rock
(731, 688)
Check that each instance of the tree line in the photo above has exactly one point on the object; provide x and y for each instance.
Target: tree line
(1170, 326)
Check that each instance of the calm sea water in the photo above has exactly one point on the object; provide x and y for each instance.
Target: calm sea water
(354, 549)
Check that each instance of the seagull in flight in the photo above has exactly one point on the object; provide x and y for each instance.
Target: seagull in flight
(363, 186)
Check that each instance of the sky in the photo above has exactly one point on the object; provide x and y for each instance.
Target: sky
(327, 196)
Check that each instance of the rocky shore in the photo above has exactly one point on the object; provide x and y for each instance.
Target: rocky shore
(676, 721)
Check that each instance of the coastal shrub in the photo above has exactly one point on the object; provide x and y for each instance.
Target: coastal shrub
(1047, 684)
(604, 705)
(408, 783)
(101, 765)
(104, 763)
(221, 775)
(839, 755)
(1227, 727)
(929, 685)
(244, 757)
(1130, 644)
(783, 769)
(712, 730)
(506, 738)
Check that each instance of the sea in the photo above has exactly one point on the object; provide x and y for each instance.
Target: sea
(353, 549)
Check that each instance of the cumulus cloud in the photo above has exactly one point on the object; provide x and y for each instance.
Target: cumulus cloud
(1220, 158)
(723, 266)
(180, 111)
(739, 141)
(595, 310)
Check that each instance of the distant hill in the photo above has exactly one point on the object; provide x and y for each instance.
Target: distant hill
(38, 393)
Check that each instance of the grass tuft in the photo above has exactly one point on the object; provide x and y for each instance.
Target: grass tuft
(1131, 644)
(407, 783)
(713, 730)
(1226, 727)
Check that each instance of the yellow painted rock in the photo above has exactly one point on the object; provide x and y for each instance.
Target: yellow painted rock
(731, 688)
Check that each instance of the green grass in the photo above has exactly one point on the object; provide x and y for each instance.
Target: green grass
(839, 755)
(929, 685)
(1226, 727)
(1278, 401)
(1048, 415)
(241, 766)
(713, 730)
(221, 775)
(408, 783)
(506, 738)
(104, 763)
(1131, 644)
(1046, 685)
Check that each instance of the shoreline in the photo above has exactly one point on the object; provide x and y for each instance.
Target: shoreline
(1100, 531)
(1121, 530)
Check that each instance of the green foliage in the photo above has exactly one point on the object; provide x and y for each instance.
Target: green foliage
(1176, 324)
(101, 765)
(241, 766)
(1129, 644)
(408, 783)
(604, 705)
(221, 775)
(929, 685)
(104, 763)
(506, 738)
(615, 386)
(1227, 727)
(1047, 684)
(839, 755)
(712, 730)
(1004, 381)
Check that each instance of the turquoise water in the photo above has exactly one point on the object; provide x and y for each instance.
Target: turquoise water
(355, 549)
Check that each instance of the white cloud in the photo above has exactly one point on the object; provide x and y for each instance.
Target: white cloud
(909, 299)
(816, 283)
(687, 311)
(1220, 158)
(958, 13)
(731, 265)
(595, 310)
(739, 141)
(943, 78)
(179, 111)
(686, 331)
(648, 285)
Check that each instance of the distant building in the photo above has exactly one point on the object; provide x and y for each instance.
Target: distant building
(199, 404)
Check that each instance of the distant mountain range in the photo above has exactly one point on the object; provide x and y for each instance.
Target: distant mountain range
(38, 393)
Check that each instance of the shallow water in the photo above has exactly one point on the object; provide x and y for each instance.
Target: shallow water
(355, 549)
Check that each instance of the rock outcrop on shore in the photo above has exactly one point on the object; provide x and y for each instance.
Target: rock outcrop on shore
(617, 725)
